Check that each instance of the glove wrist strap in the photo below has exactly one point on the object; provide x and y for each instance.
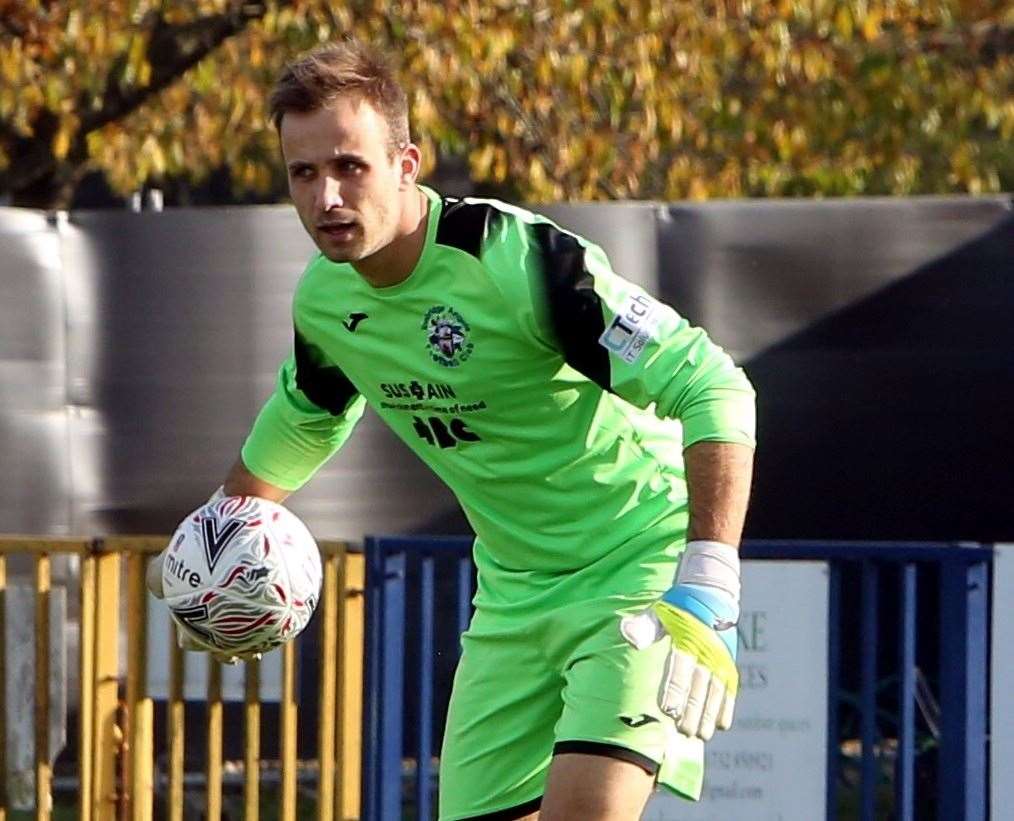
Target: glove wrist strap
(710, 564)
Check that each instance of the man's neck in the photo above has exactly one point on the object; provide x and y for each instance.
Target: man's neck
(395, 262)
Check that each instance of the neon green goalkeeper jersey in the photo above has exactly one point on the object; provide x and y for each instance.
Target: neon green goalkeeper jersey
(552, 396)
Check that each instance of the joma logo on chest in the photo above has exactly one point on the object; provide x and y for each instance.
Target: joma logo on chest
(417, 390)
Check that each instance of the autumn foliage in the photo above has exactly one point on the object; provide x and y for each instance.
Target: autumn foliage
(554, 99)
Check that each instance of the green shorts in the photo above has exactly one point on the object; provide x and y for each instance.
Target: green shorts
(557, 680)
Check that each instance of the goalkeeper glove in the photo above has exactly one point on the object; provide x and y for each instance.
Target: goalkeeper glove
(699, 615)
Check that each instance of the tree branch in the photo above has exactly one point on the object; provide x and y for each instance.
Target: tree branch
(172, 50)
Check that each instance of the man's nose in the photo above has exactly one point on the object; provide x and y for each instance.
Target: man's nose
(330, 193)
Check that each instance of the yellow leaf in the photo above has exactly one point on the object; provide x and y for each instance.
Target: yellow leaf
(843, 22)
(481, 160)
(64, 135)
(536, 173)
(871, 24)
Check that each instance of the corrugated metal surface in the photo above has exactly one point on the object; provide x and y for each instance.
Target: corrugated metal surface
(36, 492)
(756, 271)
(135, 349)
(191, 321)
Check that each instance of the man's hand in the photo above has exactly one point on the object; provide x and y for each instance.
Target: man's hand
(699, 614)
(153, 576)
(189, 643)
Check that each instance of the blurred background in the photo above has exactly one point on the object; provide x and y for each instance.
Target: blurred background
(540, 101)
(825, 185)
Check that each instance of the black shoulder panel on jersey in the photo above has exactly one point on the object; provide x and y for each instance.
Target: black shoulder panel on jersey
(464, 225)
(324, 384)
(574, 307)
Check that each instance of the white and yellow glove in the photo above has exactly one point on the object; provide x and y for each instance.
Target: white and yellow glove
(699, 615)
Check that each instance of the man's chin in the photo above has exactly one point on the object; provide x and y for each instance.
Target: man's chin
(340, 253)
(338, 256)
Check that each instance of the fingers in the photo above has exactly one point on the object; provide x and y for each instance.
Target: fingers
(676, 683)
(690, 721)
(725, 716)
(642, 629)
(153, 576)
(189, 643)
(695, 699)
(712, 709)
(244, 657)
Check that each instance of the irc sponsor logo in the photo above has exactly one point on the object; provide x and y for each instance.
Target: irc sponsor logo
(631, 329)
(447, 336)
(417, 390)
(444, 433)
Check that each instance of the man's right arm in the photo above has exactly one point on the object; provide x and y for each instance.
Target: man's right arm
(241, 482)
(307, 419)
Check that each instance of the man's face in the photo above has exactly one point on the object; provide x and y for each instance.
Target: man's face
(345, 185)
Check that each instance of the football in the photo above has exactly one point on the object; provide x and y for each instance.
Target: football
(241, 575)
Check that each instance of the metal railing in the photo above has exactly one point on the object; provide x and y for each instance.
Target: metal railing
(402, 625)
(116, 774)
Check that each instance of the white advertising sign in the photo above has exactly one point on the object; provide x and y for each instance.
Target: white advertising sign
(195, 665)
(1002, 695)
(771, 766)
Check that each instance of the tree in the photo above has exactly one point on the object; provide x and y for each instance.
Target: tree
(580, 99)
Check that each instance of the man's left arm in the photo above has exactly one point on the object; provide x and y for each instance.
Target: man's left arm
(656, 358)
(642, 350)
(699, 613)
(718, 478)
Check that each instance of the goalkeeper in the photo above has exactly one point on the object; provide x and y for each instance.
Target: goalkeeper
(600, 446)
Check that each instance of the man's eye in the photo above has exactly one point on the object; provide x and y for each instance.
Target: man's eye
(351, 167)
(302, 173)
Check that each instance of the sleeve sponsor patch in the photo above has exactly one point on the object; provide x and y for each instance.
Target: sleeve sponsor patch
(631, 329)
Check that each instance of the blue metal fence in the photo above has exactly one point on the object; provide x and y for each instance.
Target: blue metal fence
(939, 592)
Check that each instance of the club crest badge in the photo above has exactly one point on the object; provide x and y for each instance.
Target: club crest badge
(447, 336)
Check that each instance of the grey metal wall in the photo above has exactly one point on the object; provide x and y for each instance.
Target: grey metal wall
(34, 427)
(135, 349)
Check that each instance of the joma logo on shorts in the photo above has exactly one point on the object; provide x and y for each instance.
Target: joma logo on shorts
(638, 721)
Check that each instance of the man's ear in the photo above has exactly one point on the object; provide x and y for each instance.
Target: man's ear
(411, 161)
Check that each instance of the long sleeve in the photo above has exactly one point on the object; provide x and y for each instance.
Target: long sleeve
(306, 420)
(622, 338)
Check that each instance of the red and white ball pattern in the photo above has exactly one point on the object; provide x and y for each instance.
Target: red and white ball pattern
(242, 575)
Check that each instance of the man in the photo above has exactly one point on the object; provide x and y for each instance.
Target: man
(545, 391)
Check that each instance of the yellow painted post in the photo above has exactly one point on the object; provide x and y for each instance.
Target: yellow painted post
(139, 778)
(350, 706)
(3, 688)
(214, 764)
(175, 709)
(86, 673)
(106, 735)
(328, 683)
(142, 771)
(251, 740)
(287, 719)
(43, 770)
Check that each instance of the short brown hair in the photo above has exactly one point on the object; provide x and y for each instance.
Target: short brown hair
(328, 72)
